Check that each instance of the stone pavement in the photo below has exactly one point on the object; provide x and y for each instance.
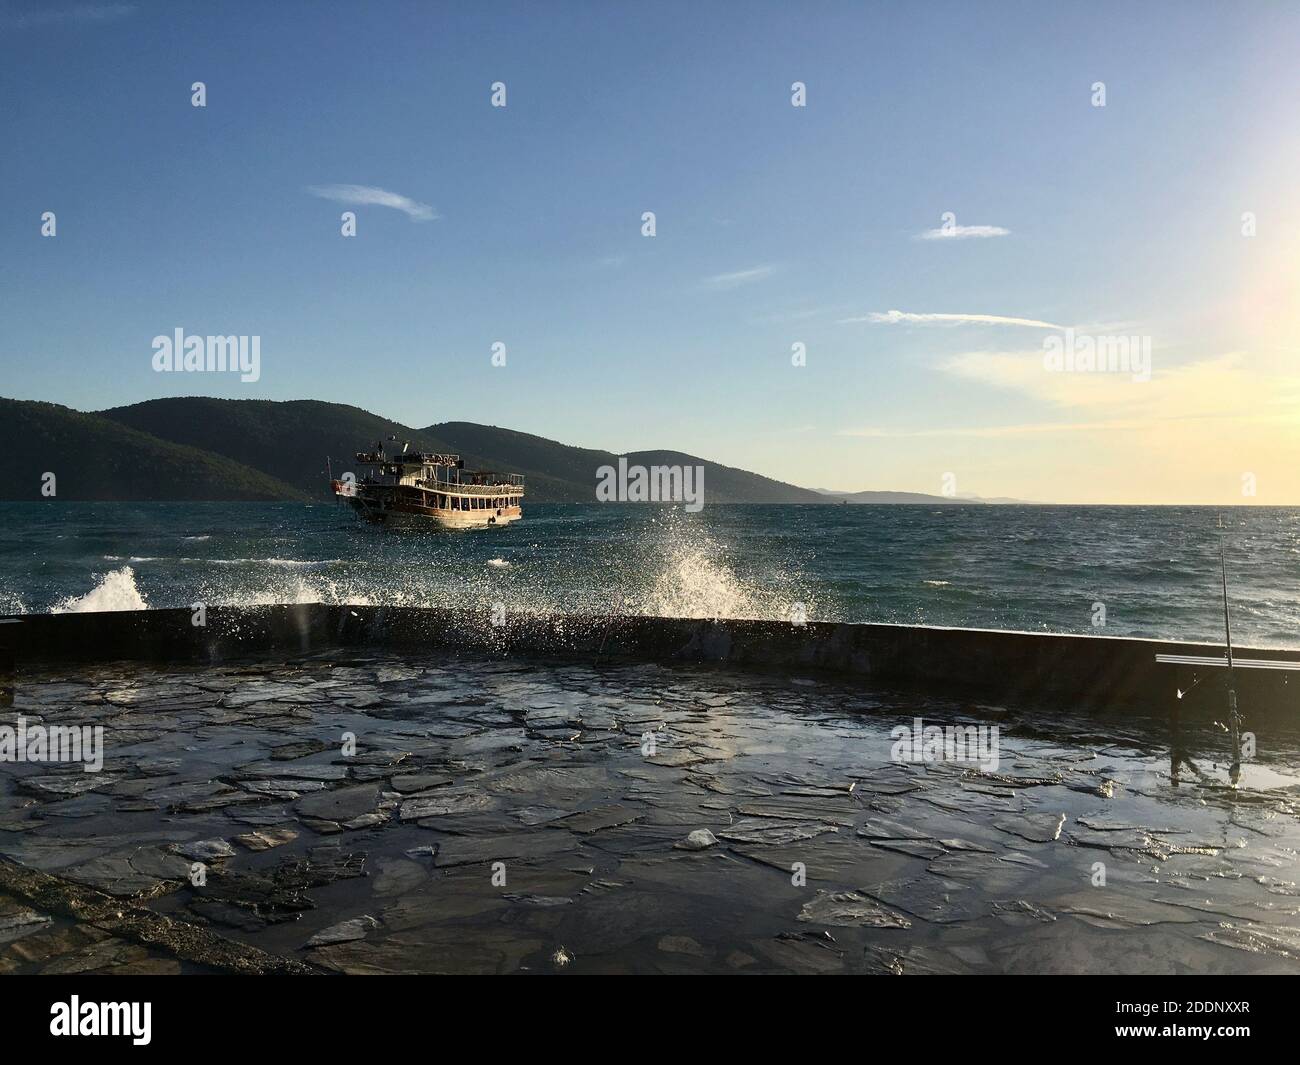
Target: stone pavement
(357, 812)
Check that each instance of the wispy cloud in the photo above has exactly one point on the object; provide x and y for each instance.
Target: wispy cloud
(739, 277)
(963, 232)
(76, 14)
(780, 317)
(908, 318)
(368, 195)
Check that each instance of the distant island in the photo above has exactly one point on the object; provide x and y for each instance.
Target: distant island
(198, 448)
(909, 497)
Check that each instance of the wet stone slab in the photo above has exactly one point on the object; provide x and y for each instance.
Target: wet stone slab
(368, 813)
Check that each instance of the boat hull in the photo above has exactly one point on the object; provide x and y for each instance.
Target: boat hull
(404, 515)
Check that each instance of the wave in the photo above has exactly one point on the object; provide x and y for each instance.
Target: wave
(10, 603)
(288, 563)
(673, 566)
(115, 591)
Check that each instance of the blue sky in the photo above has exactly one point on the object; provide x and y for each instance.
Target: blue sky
(775, 225)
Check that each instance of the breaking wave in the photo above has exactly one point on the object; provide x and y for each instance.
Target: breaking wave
(115, 591)
(665, 563)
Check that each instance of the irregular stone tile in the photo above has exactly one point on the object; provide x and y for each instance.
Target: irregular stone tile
(1037, 828)
(1273, 942)
(761, 830)
(262, 815)
(17, 922)
(911, 961)
(345, 931)
(1018, 911)
(414, 782)
(539, 815)
(683, 945)
(54, 941)
(396, 876)
(205, 850)
(99, 957)
(302, 749)
(781, 808)
(463, 850)
(1107, 908)
(791, 952)
(64, 784)
(676, 757)
(266, 838)
(340, 804)
(431, 950)
(933, 898)
(595, 820)
(297, 771)
(881, 828)
(446, 803)
(850, 909)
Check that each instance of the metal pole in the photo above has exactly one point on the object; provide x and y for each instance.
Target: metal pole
(1234, 722)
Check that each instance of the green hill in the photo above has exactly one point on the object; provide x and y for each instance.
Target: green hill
(202, 448)
(96, 458)
(289, 441)
(575, 467)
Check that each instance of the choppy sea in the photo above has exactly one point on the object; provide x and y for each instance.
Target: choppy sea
(1139, 571)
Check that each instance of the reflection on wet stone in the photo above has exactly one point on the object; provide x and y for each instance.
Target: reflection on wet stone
(495, 816)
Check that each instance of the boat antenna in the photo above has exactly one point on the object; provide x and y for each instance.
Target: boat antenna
(1234, 719)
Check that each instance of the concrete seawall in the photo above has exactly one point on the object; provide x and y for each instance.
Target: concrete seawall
(1077, 671)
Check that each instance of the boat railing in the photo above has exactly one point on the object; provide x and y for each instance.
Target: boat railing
(460, 488)
(408, 458)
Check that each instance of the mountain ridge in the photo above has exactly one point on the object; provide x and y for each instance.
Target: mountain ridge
(205, 448)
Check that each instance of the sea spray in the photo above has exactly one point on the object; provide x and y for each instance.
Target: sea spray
(115, 591)
(664, 563)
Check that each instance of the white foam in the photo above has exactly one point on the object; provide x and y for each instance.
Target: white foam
(287, 563)
(115, 591)
(10, 603)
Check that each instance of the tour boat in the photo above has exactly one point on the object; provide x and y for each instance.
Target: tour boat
(416, 489)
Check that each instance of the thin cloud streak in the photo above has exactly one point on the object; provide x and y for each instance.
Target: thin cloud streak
(963, 232)
(79, 14)
(908, 318)
(370, 196)
(739, 277)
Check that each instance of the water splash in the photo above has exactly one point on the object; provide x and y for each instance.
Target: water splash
(115, 591)
(11, 603)
(664, 563)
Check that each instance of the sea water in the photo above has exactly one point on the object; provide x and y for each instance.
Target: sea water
(1110, 571)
